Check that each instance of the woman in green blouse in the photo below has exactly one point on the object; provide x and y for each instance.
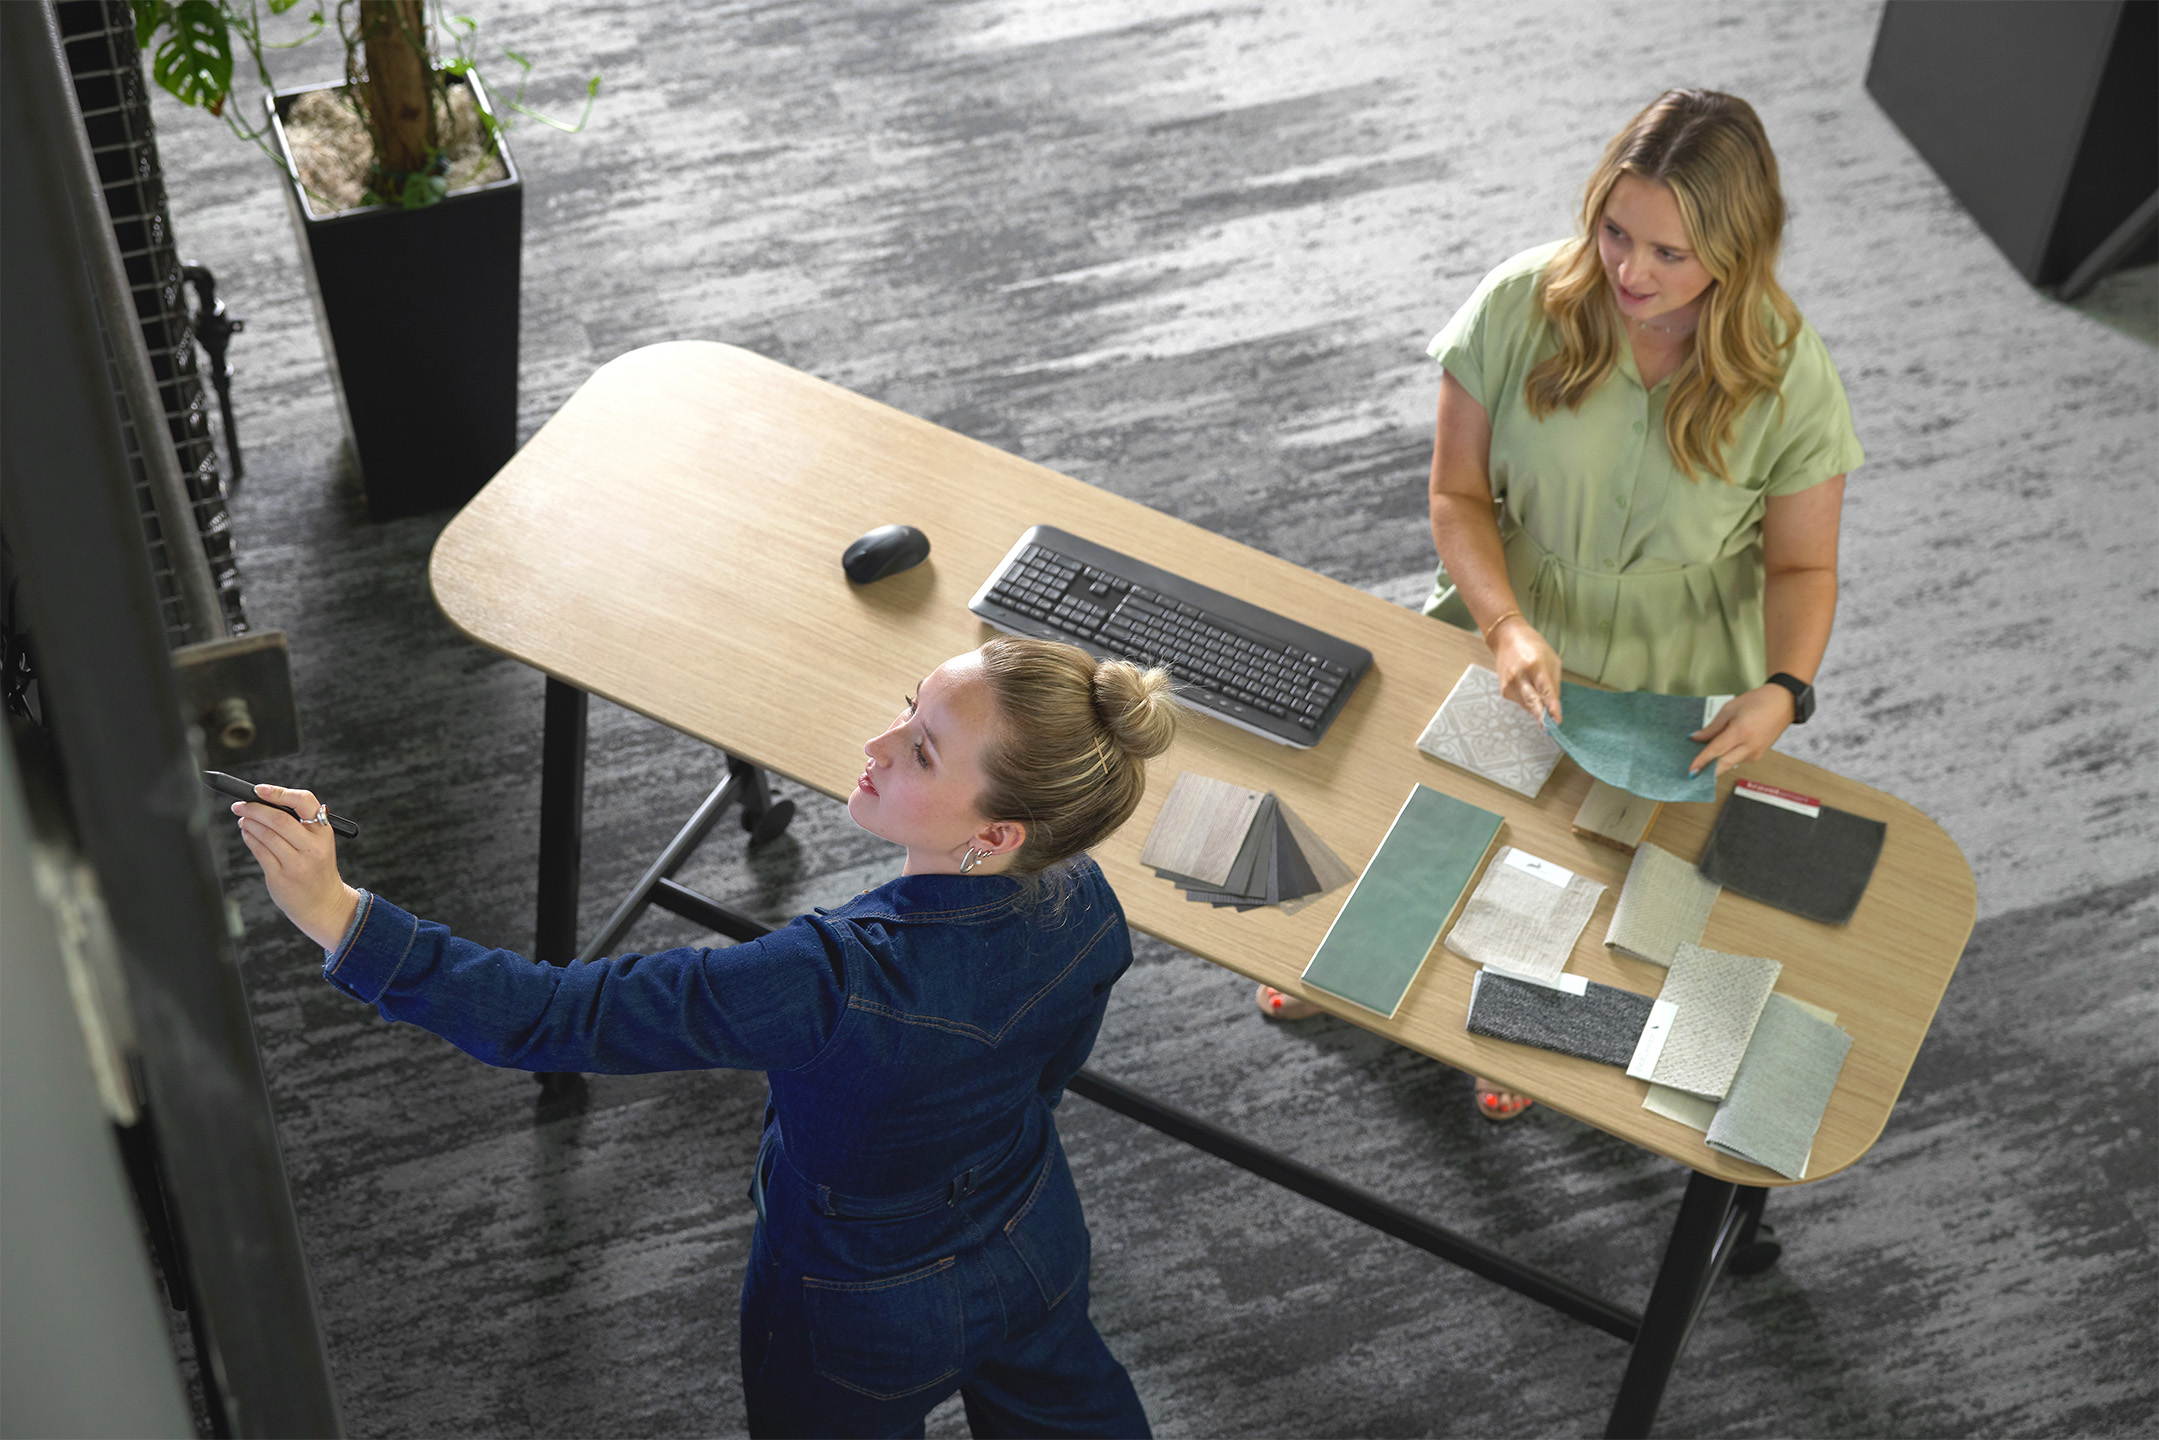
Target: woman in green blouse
(1642, 447)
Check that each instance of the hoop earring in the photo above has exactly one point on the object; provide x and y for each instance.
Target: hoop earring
(971, 859)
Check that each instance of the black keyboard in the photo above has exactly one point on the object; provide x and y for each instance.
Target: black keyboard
(1260, 671)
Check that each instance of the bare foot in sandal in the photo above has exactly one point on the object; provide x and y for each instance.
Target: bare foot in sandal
(1498, 1106)
(1279, 1005)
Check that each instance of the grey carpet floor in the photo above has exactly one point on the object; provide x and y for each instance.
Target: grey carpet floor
(1191, 253)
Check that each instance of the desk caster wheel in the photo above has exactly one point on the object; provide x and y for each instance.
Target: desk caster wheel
(771, 824)
(1756, 1255)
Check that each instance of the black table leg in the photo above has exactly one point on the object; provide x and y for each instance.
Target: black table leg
(562, 844)
(1702, 1239)
(562, 823)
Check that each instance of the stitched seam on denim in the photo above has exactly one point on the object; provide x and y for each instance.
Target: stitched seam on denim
(932, 1022)
(988, 909)
(1068, 1288)
(1059, 978)
(839, 1022)
(367, 905)
(975, 1032)
(402, 956)
(859, 1287)
(1033, 1195)
(887, 1394)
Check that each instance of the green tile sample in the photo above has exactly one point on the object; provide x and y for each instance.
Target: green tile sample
(1403, 900)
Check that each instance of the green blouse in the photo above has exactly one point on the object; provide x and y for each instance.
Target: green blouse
(1641, 578)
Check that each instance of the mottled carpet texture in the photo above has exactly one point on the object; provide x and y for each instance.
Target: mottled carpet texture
(1192, 253)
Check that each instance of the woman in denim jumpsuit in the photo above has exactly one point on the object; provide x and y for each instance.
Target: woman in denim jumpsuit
(918, 1230)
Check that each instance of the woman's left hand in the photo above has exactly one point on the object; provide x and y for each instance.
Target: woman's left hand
(1744, 729)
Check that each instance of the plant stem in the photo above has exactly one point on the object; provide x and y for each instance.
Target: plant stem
(398, 90)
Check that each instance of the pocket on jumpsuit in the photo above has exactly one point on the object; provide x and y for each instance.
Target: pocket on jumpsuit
(887, 1338)
(1049, 1233)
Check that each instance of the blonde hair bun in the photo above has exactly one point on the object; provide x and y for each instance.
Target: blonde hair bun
(1070, 754)
(1137, 707)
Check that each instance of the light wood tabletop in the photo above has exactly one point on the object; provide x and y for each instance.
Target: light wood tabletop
(670, 541)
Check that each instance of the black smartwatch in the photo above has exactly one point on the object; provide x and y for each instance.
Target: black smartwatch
(1802, 695)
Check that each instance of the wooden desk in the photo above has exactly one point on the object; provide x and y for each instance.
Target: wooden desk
(670, 540)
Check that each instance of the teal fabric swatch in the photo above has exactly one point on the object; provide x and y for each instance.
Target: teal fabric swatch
(1402, 901)
(1635, 740)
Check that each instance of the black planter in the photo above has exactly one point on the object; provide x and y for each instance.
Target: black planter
(418, 310)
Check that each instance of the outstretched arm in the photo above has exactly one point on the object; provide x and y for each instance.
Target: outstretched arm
(767, 1005)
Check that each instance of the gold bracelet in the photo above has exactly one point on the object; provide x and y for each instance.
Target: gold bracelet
(1510, 615)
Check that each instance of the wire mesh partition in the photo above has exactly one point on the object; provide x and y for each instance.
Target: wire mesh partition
(106, 69)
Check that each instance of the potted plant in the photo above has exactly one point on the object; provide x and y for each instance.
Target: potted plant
(410, 213)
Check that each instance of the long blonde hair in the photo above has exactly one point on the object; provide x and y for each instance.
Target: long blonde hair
(1711, 150)
(1069, 758)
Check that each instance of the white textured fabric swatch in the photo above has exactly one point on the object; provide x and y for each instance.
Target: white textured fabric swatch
(1516, 921)
(1718, 998)
(1776, 1101)
(1664, 904)
(1487, 734)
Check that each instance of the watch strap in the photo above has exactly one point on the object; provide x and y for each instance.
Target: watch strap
(1802, 695)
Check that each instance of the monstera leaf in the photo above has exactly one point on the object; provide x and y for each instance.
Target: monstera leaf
(195, 62)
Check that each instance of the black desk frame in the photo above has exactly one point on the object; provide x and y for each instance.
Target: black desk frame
(1719, 1226)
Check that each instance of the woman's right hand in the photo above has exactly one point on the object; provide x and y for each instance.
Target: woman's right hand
(1528, 666)
(299, 861)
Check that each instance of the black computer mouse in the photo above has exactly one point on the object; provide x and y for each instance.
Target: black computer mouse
(887, 550)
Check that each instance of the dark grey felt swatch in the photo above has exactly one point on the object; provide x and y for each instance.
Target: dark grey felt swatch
(1816, 866)
(1602, 1024)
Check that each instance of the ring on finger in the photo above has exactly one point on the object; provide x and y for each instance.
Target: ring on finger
(322, 816)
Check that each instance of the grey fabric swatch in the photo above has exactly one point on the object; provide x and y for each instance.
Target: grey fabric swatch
(1602, 1025)
(1637, 741)
(1518, 922)
(1664, 903)
(1816, 866)
(1718, 998)
(1775, 1105)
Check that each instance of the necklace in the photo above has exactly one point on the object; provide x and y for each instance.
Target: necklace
(1665, 329)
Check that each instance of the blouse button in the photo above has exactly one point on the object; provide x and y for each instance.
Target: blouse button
(1620, 501)
(1637, 427)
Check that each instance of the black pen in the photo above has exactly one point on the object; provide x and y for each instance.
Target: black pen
(239, 789)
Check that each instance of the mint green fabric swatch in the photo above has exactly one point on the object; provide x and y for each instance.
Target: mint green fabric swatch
(1636, 740)
(1389, 923)
(1785, 1079)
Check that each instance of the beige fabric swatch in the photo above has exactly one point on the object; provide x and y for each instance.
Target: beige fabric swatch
(1718, 998)
(1664, 904)
(1516, 921)
(1487, 734)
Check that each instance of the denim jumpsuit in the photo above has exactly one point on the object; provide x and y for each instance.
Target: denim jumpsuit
(918, 1230)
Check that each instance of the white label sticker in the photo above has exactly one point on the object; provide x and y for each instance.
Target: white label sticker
(1651, 1045)
(1569, 984)
(1783, 799)
(1542, 869)
(1711, 704)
